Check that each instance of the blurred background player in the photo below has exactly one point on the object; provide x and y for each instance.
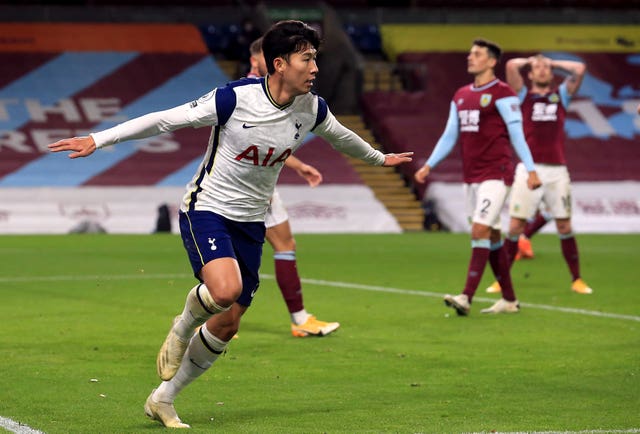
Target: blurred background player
(280, 236)
(544, 110)
(485, 118)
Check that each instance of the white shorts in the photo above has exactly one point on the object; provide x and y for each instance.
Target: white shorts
(276, 213)
(485, 201)
(555, 192)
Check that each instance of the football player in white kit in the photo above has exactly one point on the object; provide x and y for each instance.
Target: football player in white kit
(256, 124)
(280, 236)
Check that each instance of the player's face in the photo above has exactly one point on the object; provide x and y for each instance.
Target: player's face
(301, 70)
(541, 73)
(479, 60)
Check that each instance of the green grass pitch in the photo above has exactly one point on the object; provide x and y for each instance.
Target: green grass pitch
(77, 308)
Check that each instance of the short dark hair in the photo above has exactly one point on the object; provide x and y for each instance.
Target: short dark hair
(285, 38)
(493, 48)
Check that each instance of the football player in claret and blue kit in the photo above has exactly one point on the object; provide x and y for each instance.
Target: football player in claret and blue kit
(544, 108)
(256, 124)
(485, 118)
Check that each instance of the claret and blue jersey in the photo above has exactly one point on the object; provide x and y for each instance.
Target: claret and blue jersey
(487, 122)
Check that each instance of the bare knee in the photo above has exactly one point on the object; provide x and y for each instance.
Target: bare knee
(563, 226)
(516, 226)
(480, 232)
(223, 279)
(281, 238)
(225, 293)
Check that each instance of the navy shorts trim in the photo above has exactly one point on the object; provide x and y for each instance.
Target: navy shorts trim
(207, 236)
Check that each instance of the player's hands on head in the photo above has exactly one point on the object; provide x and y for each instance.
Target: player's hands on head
(81, 146)
(396, 159)
(422, 174)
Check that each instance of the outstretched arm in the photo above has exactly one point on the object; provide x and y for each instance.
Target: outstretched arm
(349, 143)
(81, 146)
(306, 171)
(397, 159)
(151, 124)
(576, 71)
(147, 125)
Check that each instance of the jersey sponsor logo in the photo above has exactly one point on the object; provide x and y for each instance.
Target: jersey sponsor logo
(543, 112)
(485, 99)
(245, 126)
(469, 121)
(252, 154)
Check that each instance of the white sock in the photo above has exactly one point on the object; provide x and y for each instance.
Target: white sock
(198, 308)
(300, 317)
(204, 349)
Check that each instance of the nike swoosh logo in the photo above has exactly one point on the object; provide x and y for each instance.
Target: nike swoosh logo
(248, 126)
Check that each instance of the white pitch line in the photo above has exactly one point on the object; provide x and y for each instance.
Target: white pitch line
(587, 431)
(63, 278)
(17, 427)
(488, 300)
(372, 288)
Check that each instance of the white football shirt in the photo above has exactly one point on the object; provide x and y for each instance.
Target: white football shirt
(251, 138)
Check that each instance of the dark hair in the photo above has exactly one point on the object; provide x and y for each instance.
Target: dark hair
(256, 47)
(285, 38)
(493, 48)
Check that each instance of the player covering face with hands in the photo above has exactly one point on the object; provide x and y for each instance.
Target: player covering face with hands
(256, 124)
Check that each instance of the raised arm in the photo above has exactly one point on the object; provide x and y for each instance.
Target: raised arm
(514, 77)
(195, 114)
(138, 128)
(80, 146)
(576, 71)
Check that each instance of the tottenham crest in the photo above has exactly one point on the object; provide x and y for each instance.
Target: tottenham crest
(485, 99)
